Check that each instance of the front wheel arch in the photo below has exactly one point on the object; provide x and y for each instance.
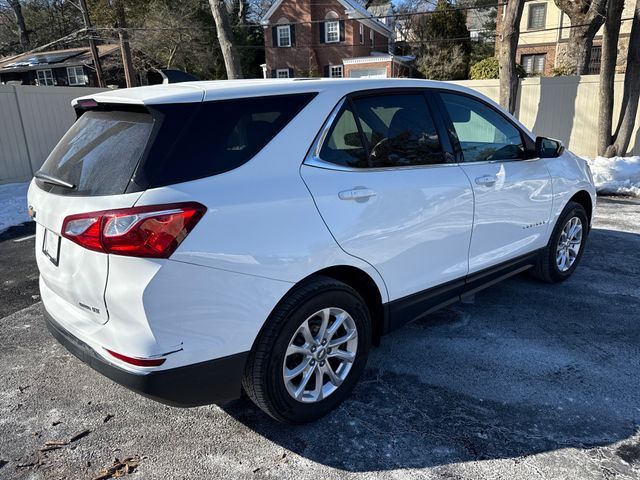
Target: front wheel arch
(584, 198)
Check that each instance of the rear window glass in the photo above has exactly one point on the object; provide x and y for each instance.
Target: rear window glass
(99, 153)
(219, 136)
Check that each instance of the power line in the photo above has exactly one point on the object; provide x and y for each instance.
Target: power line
(341, 44)
(308, 22)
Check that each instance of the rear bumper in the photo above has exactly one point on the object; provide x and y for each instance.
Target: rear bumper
(213, 381)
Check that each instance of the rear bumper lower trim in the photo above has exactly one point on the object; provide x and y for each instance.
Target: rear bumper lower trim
(213, 381)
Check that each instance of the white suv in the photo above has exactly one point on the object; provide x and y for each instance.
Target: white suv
(203, 239)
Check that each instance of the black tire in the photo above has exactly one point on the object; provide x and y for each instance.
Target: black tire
(263, 378)
(546, 268)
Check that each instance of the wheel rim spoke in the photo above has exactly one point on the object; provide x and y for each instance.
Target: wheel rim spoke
(326, 315)
(345, 338)
(343, 355)
(303, 383)
(337, 323)
(294, 372)
(317, 391)
(298, 349)
(333, 376)
(306, 333)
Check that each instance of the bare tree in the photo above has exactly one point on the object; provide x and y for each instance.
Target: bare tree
(617, 144)
(22, 27)
(225, 38)
(610, 37)
(587, 16)
(508, 43)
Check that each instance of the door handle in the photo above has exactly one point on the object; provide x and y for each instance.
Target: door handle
(486, 180)
(356, 194)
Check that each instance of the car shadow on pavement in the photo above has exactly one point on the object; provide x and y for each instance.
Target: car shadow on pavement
(526, 368)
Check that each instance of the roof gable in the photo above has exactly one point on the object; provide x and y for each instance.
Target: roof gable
(353, 9)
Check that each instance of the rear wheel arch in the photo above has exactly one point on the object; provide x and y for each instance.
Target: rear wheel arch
(354, 277)
(362, 282)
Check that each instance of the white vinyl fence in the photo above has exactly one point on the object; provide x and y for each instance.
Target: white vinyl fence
(32, 120)
(565, 108)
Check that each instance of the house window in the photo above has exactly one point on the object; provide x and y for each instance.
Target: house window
(534, 64)
(284, 36)
(594, 62)
(332, 31)
(361, 34)
(372, 38)
(76, 76)
(45, 77)
(335, 71)
(282, 73)
(537, 16)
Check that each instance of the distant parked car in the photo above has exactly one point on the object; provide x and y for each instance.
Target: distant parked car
(202, 239)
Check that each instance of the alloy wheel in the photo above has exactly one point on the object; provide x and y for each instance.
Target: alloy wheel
(569, 244)
(320, 355)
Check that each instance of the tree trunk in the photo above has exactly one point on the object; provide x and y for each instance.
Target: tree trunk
(629, 109)
(225, 38)
(610, 38)
(579, 49)
(22, 27)
(587, 16)
(508, 44)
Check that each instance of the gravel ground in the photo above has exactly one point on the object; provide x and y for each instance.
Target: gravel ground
(527, 381)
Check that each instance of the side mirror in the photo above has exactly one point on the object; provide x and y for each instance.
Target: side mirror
(548, 147)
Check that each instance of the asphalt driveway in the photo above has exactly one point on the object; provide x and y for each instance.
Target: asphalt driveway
(528, 381)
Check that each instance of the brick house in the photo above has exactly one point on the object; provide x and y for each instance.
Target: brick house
(544, 36)
(312, 38)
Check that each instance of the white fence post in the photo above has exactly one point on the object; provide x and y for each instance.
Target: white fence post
(15, 163)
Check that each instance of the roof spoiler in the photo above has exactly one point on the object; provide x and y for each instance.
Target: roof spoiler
(173, 76)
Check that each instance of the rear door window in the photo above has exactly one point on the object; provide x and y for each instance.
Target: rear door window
(99, 153)
(399, 130)
(344, 144)
(377, 131)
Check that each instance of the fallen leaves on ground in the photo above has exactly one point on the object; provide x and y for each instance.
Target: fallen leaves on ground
(119, 468)
(56, 444)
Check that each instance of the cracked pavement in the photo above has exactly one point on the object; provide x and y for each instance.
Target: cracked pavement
(527, 381)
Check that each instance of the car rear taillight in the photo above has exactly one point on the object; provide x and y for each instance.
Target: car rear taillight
(153, 231)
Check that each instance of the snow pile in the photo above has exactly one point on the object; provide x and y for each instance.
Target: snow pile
(13, 205)
(617, 175)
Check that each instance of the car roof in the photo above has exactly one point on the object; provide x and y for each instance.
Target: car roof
(199, 91)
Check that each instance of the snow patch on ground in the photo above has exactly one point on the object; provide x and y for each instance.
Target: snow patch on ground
(13, 205)
(617, 175)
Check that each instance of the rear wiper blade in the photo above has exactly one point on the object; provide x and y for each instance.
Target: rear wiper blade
(53, 180)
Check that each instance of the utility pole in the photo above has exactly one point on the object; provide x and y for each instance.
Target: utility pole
(125, 49)
(92, 42)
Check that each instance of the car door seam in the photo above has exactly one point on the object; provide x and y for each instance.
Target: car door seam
(333, 236)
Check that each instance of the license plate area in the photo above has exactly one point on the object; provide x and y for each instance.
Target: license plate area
(51, 246)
